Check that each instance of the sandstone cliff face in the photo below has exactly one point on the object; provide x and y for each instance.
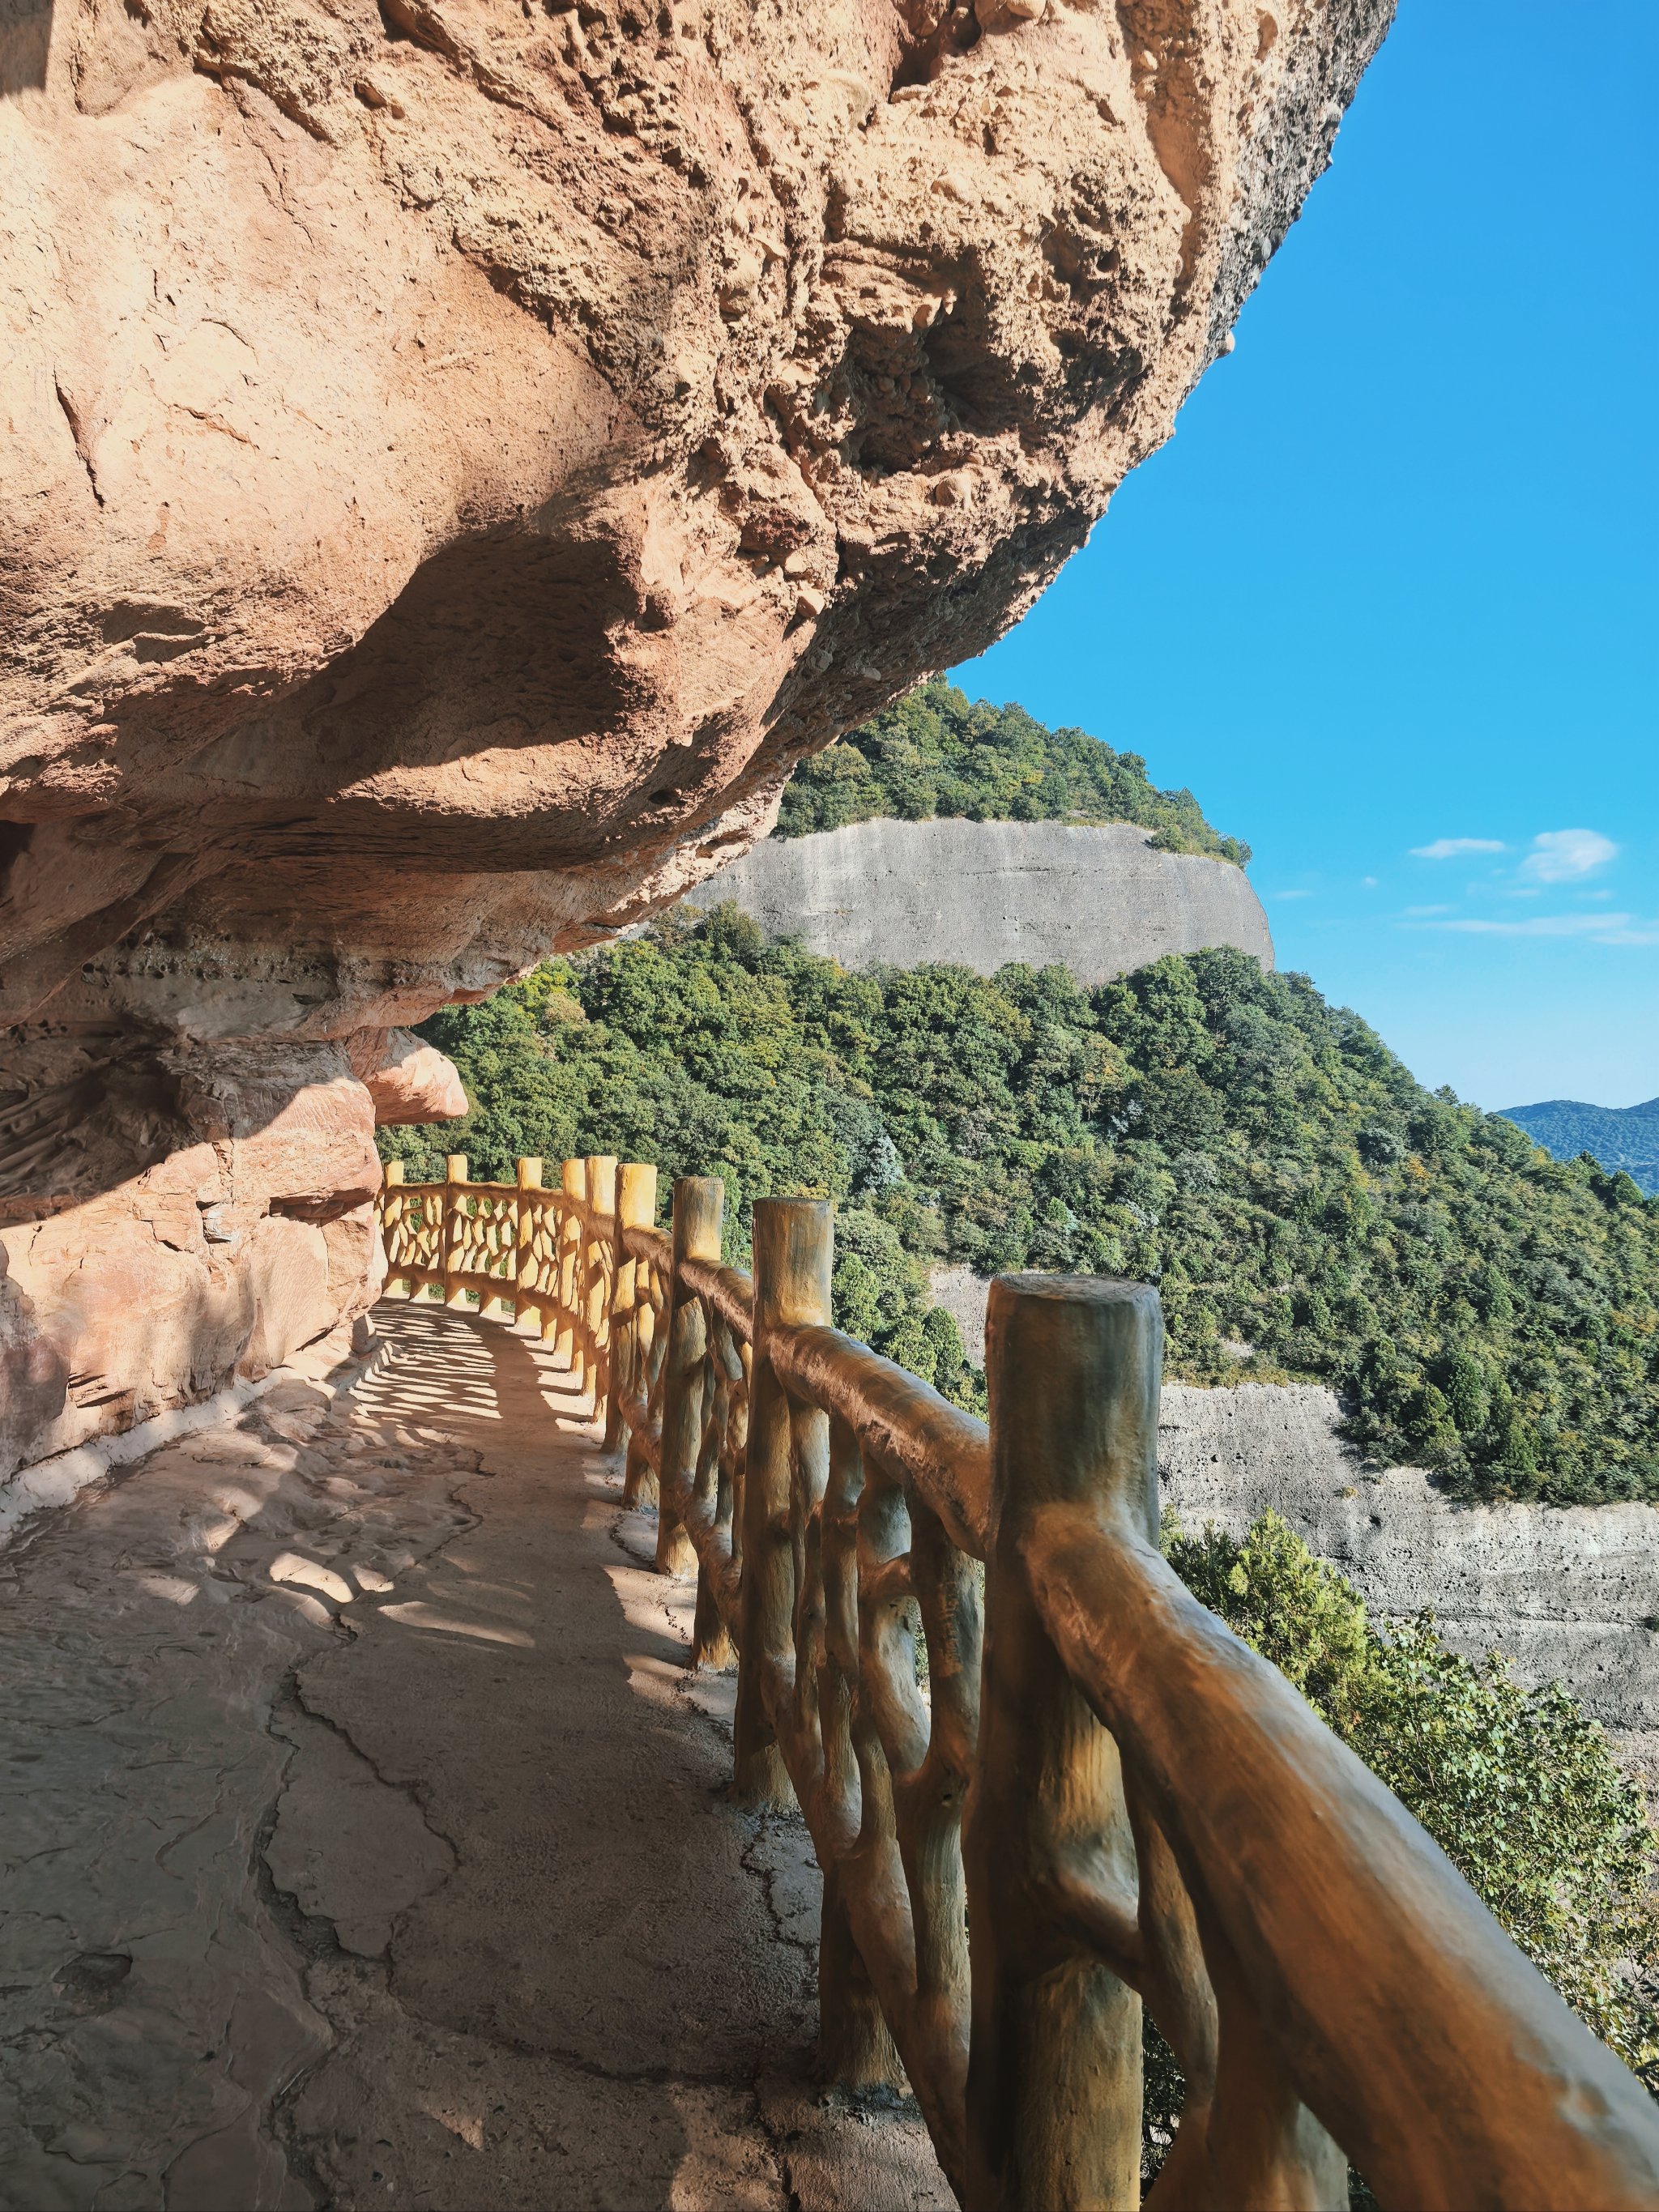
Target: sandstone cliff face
(458, 456)
(174, 1215)
(217, 1211)
(1093, 897)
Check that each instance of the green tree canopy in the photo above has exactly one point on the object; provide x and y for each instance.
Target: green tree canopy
(933, 753)
(1306, 1208)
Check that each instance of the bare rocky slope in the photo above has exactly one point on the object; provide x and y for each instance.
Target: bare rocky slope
(1093, 897)
(458, 457)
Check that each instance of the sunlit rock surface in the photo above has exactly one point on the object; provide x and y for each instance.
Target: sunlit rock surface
(458, 457)
(1094, 897)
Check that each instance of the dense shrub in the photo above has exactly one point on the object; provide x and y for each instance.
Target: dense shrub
(1306, 1208)
(1519, 1787)
(935, 753)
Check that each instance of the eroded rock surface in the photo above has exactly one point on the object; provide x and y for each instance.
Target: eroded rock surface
(1093, 897)
(172, 1216)
(363, 1844)
(177, 1218)
(406, 1079)
(460, 455)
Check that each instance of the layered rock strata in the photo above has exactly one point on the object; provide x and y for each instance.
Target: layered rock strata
(459, 456)
(1569, 1594)
(1095, 898)
(173, 1217)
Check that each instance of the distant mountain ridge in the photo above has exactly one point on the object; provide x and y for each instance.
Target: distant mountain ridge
(1623, 1139)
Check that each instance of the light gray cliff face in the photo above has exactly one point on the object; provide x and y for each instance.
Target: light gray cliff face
(1093, 897)
(1563, 1591)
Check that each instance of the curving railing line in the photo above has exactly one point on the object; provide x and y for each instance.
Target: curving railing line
(1099, 1799)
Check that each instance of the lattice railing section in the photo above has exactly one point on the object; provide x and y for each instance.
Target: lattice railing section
(1097, 1801)
(516, 1251)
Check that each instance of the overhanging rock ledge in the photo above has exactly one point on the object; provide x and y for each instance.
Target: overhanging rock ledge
(460, 457)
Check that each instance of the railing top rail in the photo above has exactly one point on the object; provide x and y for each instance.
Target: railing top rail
(527, 1194)
(728, 1290)
(562, 1201)
(1437, 2055)
(1329, 1983)
(901, 1419)
(652, 1244)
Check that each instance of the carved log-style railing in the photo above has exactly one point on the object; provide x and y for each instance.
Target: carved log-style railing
(1114, 1802)
(519, 1251)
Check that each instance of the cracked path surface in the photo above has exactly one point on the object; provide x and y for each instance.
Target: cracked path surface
(366, 1842)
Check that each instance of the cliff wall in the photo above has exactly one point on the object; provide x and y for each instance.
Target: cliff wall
(1566, 1593)
(1095, 898)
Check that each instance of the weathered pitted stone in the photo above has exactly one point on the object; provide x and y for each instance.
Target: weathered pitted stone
(406, 1080)
(1093, 897)
(457, 460)
(196, 1215)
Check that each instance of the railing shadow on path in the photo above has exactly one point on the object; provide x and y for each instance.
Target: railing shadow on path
(610, 1907)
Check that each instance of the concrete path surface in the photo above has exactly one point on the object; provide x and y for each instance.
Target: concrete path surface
(365, 1843)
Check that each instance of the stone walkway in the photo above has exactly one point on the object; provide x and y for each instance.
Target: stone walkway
(364, 1841)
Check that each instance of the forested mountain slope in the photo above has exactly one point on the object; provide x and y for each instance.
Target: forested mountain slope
(1307, 1208)
(935, 753)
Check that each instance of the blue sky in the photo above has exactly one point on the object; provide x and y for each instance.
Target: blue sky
(1387, 601)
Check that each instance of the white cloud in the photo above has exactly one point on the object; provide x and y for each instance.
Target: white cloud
(1561, 856)
(1602, 928)
(1447, 849)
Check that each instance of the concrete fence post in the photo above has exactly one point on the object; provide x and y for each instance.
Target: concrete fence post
(397, 1284)
(598, 1247)
(572, 1232)
(793, 1246)
(454, 1215)
(699, 1205)
(636, 1208)
(1053, 2079)
(526, 1304)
